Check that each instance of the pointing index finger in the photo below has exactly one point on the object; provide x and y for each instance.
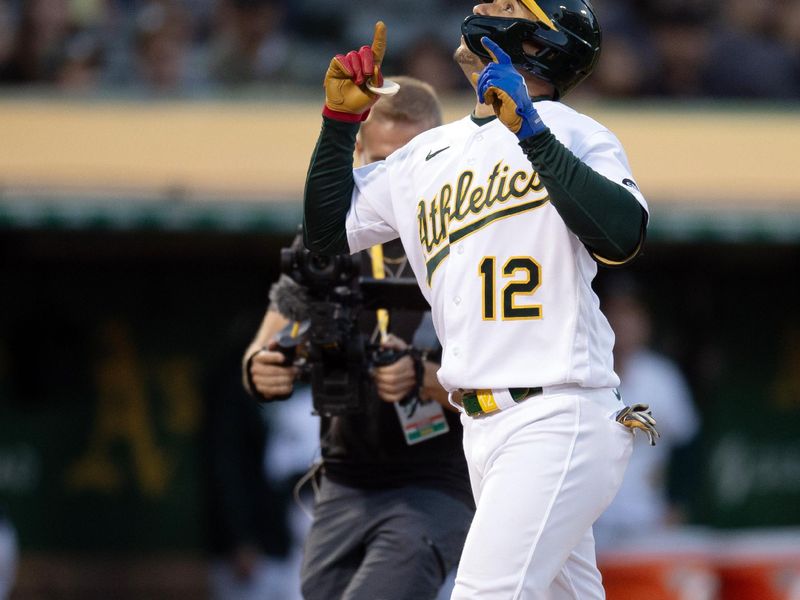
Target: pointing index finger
(495, 51)
(379, 43)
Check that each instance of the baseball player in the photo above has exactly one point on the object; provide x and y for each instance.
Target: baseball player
(504, 216)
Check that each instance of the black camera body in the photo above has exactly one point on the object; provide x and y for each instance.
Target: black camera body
(338, 355)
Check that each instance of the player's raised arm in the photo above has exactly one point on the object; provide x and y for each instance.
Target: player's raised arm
(605, 216)
(329, 183)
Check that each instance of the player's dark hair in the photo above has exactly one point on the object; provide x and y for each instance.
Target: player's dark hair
(416, 102)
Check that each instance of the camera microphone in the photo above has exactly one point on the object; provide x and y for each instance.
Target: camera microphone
(290, 298)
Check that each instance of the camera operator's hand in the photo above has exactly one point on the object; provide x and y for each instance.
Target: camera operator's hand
(270, 376)
(396, 380)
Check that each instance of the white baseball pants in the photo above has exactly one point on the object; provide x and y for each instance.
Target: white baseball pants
(541, 472)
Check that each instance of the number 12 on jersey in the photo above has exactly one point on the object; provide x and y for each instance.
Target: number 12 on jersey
(527, 286)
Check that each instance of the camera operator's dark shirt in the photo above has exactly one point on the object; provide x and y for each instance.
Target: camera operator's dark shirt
(369, 450)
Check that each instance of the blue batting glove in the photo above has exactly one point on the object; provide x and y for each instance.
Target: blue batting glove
(503, 88)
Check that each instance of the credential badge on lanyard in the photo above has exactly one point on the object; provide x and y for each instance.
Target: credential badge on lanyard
(419, 421)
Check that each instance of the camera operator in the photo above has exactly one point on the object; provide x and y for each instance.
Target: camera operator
(394, 501)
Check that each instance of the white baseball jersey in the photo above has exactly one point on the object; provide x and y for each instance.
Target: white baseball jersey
(491, 254)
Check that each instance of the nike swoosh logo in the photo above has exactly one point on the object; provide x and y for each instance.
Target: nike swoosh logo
(432, 154)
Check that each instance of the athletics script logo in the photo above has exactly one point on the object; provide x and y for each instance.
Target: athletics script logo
(439, 219)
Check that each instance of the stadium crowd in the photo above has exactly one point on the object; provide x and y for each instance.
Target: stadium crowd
(652, 48)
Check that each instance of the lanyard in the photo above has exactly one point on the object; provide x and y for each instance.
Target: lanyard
(378, 272)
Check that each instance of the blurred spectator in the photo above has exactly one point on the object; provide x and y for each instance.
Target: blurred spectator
(643, 502)
(82, 62)
(7, 29)
(682, 42)
(746, 15)
(163, 47)
(788, 25)
(627, 66)
(745, 61)
(623, 72)
(788, 31)
(719, 51)
(431, 60)
(8, 555)
(44, 28)
(251, 44)
(406, 23)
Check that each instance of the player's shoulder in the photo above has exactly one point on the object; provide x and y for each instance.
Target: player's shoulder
(573, 128)
(434, 139)
(561, 115)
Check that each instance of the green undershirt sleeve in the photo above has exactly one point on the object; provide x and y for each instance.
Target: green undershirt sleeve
(329, 188)
(605, 216)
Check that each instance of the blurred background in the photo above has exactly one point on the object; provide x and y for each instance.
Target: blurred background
(152, 159)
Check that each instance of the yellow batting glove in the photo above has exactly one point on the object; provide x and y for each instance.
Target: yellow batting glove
(639, 417)
(346, 95)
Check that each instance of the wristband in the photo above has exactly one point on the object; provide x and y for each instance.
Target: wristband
(343, 116)
(249, 384)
